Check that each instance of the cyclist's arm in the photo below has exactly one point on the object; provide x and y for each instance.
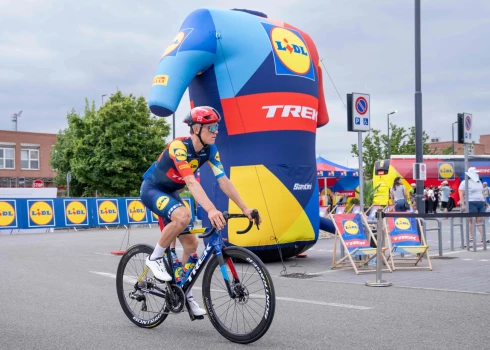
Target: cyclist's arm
(198, 193)
(229, 189)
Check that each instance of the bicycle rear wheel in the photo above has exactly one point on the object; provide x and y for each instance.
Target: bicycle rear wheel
(133, 281)
(247, 317)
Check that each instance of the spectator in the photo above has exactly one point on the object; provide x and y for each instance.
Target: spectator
(398, 195)
(486, 193)
(430, 199)
(476, 201)
(412, 192)
(426, 199)
(445, 193)
(435, 205)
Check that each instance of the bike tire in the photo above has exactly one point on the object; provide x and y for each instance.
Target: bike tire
(249, 269)
(131, 266)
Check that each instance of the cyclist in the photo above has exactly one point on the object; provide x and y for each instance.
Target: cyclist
(174, 170)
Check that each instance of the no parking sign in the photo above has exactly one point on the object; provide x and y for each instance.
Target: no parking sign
(358, 112)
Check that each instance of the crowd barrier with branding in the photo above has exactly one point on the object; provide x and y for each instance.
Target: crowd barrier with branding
(35, 213)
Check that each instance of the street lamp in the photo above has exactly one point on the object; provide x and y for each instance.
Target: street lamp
(389, 146)
(456, 122)
(103, 99)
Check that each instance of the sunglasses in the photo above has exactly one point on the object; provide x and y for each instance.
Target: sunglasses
(212, 128)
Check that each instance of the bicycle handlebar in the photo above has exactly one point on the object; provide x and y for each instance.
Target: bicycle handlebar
(227, 216)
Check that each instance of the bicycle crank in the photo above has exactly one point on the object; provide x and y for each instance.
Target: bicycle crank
(175, 298)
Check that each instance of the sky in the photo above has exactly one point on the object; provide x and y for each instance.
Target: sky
(56, 53)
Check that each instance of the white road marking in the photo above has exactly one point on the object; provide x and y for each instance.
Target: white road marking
(294, 300)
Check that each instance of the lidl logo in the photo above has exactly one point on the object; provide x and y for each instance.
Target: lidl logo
(136, 211)
(194, 163)
(41, 213)
(446, 171)
(216, 157)
(162, 202)
(160, 80)
(76, 212)
(291, 54)
(179, 38)
(186, 204)
(402, 224)
(180, 154)
(108, 211)
(7, 214)
(351, 227)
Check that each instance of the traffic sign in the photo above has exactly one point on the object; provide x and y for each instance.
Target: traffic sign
(38, 183)
(468, 126)
(360, 112)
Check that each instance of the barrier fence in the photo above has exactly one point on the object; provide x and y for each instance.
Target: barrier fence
(35, 213)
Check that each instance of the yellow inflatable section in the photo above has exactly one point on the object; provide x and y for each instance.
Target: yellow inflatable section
(280, 211)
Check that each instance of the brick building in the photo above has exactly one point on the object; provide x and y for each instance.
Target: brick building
(24, 157)
(480, 148)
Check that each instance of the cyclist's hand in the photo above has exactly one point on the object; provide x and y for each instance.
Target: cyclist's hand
(216, 219)
(248, 213)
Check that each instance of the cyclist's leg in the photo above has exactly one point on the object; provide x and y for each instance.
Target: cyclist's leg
(170, 208)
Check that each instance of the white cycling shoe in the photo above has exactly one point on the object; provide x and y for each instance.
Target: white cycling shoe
(195, 309)
(158, 268)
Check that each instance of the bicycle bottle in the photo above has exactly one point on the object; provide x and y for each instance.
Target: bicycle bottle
(177, 267)
(189, 265)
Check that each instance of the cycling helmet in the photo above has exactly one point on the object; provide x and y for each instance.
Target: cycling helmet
(202, 115)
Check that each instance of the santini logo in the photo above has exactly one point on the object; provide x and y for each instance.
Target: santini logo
(301, 187)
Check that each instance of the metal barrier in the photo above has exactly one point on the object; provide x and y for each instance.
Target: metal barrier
(439, 229)
(452, 226)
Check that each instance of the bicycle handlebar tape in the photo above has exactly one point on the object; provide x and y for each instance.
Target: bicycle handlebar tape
(264, 77)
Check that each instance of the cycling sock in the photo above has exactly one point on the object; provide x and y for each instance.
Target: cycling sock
(189, 294)
(158, 252)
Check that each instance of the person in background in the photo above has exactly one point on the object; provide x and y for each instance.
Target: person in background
(426, 199)
(430, 199)
(412, 192)
(445, 193)
(486, 193)
(476, 201)
(398, 195)
(435, 205)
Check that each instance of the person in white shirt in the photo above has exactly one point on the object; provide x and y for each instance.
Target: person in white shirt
(476, 201)
(445, 193)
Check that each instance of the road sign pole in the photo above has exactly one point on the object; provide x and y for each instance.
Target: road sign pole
(361, 173)
(379, 254)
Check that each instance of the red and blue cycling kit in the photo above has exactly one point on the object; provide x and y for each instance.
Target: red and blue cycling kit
(163, 180)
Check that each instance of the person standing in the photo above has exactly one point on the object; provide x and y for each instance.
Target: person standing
(430, 199)
(486, 193)
(476, 201)
(445, 193)
(398, 195)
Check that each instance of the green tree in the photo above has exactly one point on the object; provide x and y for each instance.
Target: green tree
(375, 144)
(107, 150)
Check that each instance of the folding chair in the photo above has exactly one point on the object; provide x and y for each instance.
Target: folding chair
(355, 209)
(351, 233)
(370, 215)
(406, 236)
(324, 211)
(338, 209)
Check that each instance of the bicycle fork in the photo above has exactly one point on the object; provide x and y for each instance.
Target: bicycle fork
(222, 264)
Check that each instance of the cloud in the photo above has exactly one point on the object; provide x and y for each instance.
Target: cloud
(55, 53)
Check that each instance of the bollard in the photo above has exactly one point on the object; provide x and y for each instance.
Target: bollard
(484, 228)
(379, 251)
(451, 231)
(474, 233)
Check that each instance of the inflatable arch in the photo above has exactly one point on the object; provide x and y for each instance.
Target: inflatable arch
(264, 77)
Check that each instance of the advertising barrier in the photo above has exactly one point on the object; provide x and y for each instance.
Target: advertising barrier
(36, 213)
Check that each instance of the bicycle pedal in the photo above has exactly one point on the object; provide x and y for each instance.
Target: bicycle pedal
(198, 317)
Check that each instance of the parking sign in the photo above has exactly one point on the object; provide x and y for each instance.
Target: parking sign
(360, 112)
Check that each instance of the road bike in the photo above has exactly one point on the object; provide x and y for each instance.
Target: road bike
(237, 289)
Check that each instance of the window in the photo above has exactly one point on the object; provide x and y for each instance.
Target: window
(7, 158)
(29, 159)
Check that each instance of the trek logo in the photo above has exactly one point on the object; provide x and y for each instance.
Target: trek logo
(174, 176)
(199, 263)
(286, 111)
(301, 187)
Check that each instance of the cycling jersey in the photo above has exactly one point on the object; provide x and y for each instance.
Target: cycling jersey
(163, 180)
(180, 160)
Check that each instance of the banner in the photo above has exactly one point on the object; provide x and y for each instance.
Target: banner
(35, 213)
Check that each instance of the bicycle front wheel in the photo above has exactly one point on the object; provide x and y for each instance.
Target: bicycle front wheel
(247, 317)
(135, 283)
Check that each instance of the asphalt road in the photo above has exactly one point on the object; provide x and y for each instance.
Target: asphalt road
(58, 292)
